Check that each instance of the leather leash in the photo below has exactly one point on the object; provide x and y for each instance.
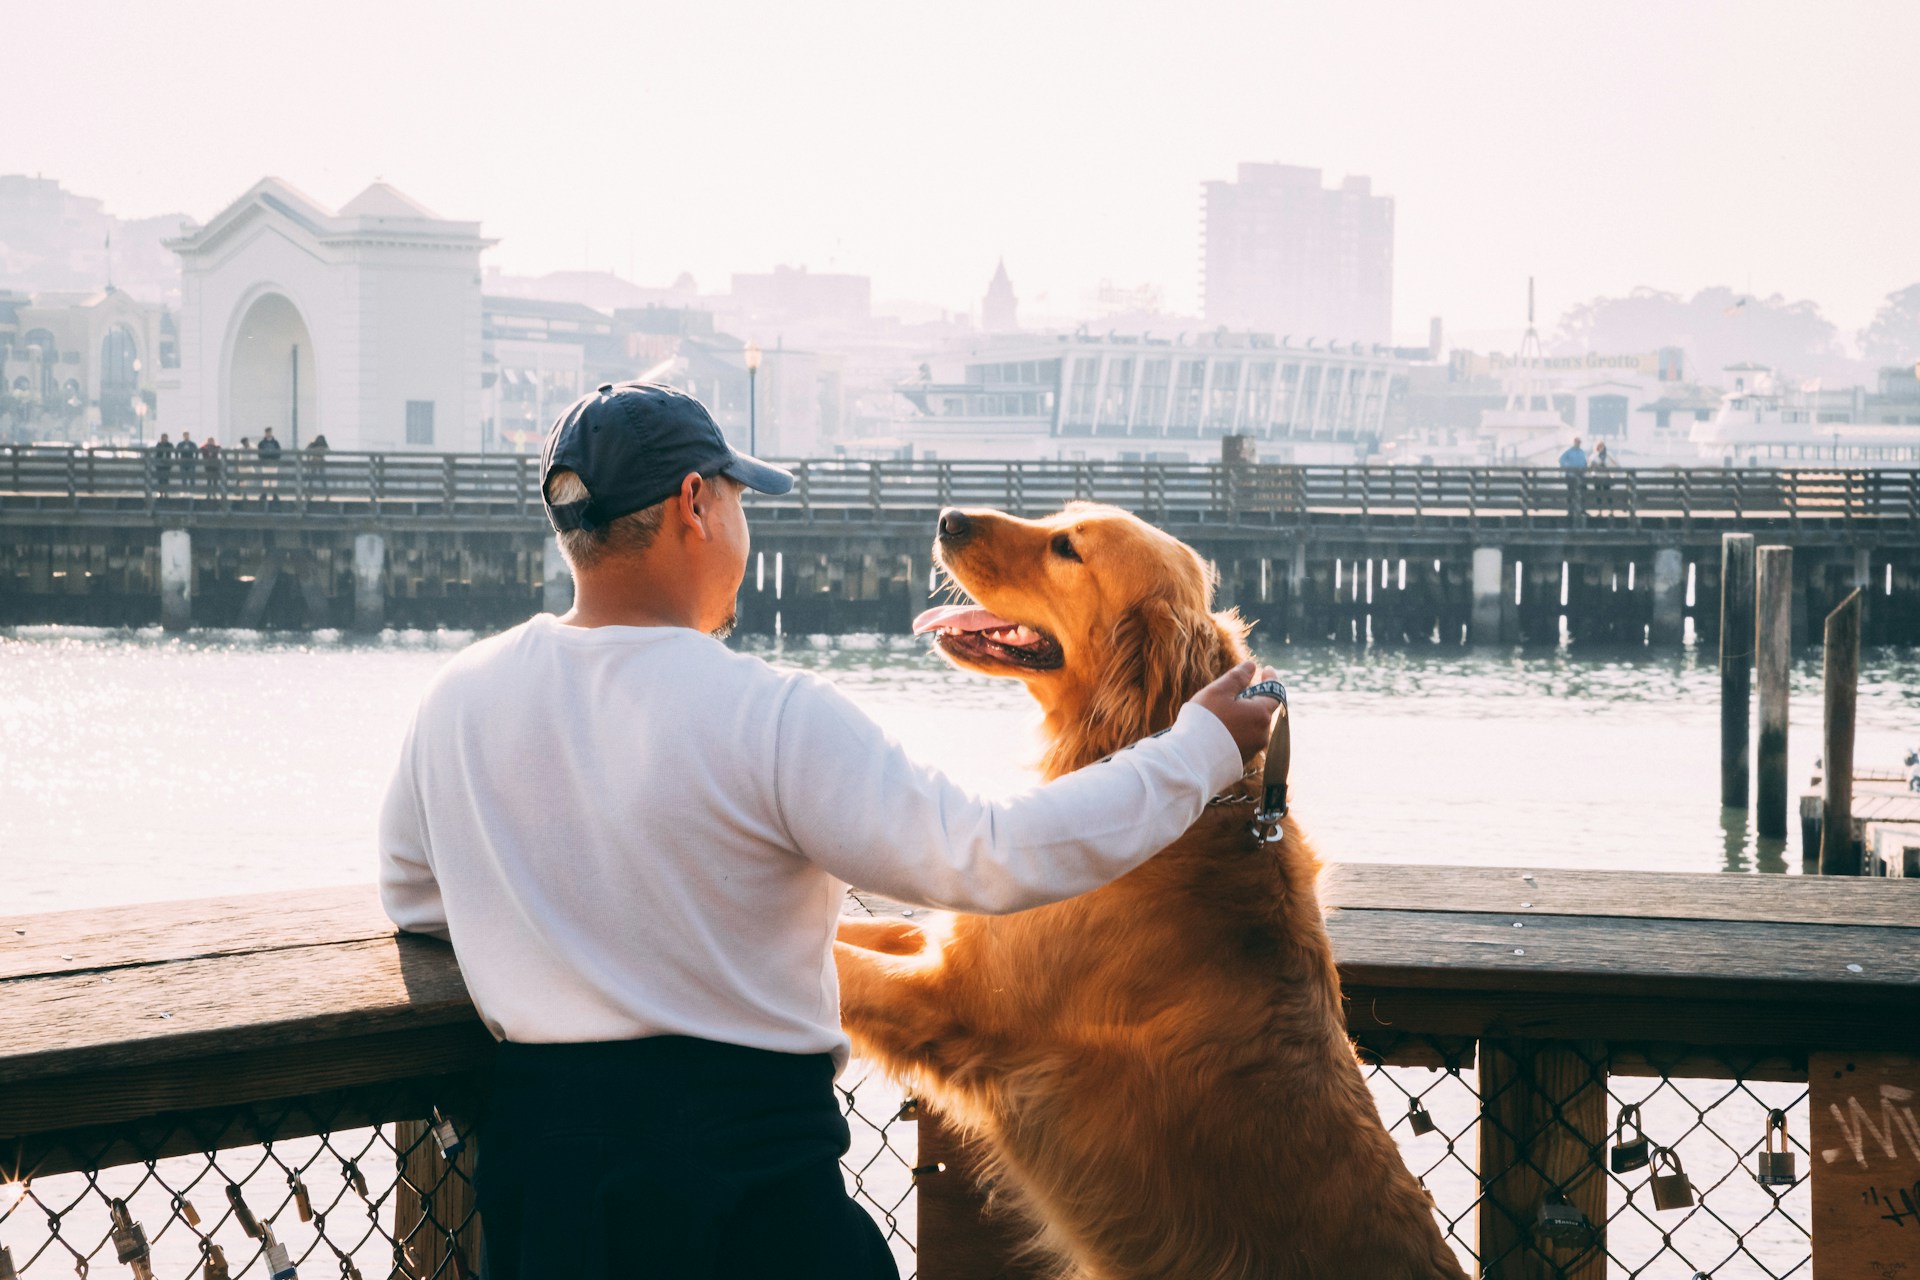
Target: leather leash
(1273, 790)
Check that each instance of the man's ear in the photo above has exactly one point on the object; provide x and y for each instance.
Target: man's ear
(695, 504)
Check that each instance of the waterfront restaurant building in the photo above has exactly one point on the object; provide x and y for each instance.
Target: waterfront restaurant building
(361, 323)
(1142, 398)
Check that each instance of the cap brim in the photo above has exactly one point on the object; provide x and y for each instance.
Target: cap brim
(761, 477)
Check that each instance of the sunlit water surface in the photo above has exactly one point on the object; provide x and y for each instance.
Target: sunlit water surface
(139, 766)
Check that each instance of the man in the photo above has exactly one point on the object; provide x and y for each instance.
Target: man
(1574, 463)
(268, 451)
(187, 454)
(638, 841)
(162, 462)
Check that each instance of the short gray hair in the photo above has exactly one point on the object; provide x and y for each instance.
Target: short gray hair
(628, 535)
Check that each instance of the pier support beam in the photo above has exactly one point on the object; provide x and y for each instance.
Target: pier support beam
(1775, 641)
(1669, 596)
(369, 582)
(556, 580)
(176, 579)
(1490, 587)
(1297, 587)
(1736, 667)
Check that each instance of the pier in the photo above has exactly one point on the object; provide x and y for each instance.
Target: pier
(294, 1046)
(1394, 555)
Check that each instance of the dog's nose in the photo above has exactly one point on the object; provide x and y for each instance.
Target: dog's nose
(954, 525)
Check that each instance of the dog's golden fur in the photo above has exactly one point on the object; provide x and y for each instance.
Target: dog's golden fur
(1159, 1071)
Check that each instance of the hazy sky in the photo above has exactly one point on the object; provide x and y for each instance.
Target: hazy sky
(1674, 143)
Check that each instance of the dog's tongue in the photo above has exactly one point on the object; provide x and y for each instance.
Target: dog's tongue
(960, 617)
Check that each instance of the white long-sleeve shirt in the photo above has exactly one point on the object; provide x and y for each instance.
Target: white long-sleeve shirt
(635, 831)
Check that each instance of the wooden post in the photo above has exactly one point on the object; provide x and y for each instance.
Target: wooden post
(1543, 1125)
(1736, 667)
(1775, 643)
(1842, 680)
(429, 1226)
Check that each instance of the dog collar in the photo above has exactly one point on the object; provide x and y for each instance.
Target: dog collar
(1273, 781)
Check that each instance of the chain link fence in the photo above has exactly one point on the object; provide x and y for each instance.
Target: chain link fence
(394, 1199)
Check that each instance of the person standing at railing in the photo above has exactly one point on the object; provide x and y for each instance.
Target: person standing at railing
(638, 841)
(1600, 463)
(269, 454)
(317, 463)
(1574, 463)
(187, 455)
(210, 456)
(162, 463)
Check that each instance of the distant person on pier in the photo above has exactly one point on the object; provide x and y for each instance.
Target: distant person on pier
(317, 462)
(210, 455)
(268, 451)
(638, 842)
(1599, 465)
(187, 454)
(162, 462)
(1574, 463)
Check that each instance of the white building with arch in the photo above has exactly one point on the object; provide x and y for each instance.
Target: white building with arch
(361, 324)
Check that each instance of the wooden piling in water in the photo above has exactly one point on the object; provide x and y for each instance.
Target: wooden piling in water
(1736, 667)
(1774, 643)
(1842, 681)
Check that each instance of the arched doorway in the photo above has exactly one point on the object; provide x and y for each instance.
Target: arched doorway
(42, 340)
(119, 381)
(270, 375)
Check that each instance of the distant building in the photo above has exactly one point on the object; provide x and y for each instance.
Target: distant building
(789, 294)
(53, 241)
(81, 366)
(1000, 310)
(1130, 398)
(363, 324)
(1284, 255)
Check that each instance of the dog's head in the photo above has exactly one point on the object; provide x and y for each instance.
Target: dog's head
(1104, 617)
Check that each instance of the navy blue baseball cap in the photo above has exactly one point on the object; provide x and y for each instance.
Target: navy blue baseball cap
(632, 444)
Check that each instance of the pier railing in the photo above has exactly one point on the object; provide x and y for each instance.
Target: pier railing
(174, 1074)
(36, 480)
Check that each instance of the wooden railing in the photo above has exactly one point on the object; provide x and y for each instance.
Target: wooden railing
(504, 487)
(168, 1049)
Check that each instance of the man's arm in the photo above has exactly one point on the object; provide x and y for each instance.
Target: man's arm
(856, 805)
(408, 890)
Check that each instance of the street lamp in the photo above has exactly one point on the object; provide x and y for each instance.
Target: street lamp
(753, 399)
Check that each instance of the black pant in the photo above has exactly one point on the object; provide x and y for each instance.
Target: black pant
(668, 1159)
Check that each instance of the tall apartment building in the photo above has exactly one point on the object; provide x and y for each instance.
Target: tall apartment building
(1285, 255)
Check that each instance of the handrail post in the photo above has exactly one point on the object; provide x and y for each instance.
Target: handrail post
(1543, 1122)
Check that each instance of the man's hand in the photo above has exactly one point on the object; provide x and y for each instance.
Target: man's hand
(1249, 720)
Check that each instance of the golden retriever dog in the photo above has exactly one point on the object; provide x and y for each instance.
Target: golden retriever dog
(1158, 1072)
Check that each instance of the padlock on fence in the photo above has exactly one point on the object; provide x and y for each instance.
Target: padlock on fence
(1418, 1120)
(1562, 1224)
(214, 1263)
(358, 1180)
(1775, 1168)
(184, 1207)
(446, 1137)
(1671, 1190)
(130, 1242)
(1630, 1150)
(279, 1264)
(909, 1110)
(302, 1201)
(249, 1224)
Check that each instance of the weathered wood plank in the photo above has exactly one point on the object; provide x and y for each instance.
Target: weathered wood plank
(1626, 894)
(148, 933)
(1629, 958)
(270, 1000)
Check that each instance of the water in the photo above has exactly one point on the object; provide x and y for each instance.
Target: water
(137, 766)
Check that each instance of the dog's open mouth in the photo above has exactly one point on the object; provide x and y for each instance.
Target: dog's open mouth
(979, 635)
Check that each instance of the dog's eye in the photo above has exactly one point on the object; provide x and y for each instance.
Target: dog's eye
(1063, 547)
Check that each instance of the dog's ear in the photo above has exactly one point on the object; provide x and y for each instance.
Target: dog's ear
(1158, 656)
